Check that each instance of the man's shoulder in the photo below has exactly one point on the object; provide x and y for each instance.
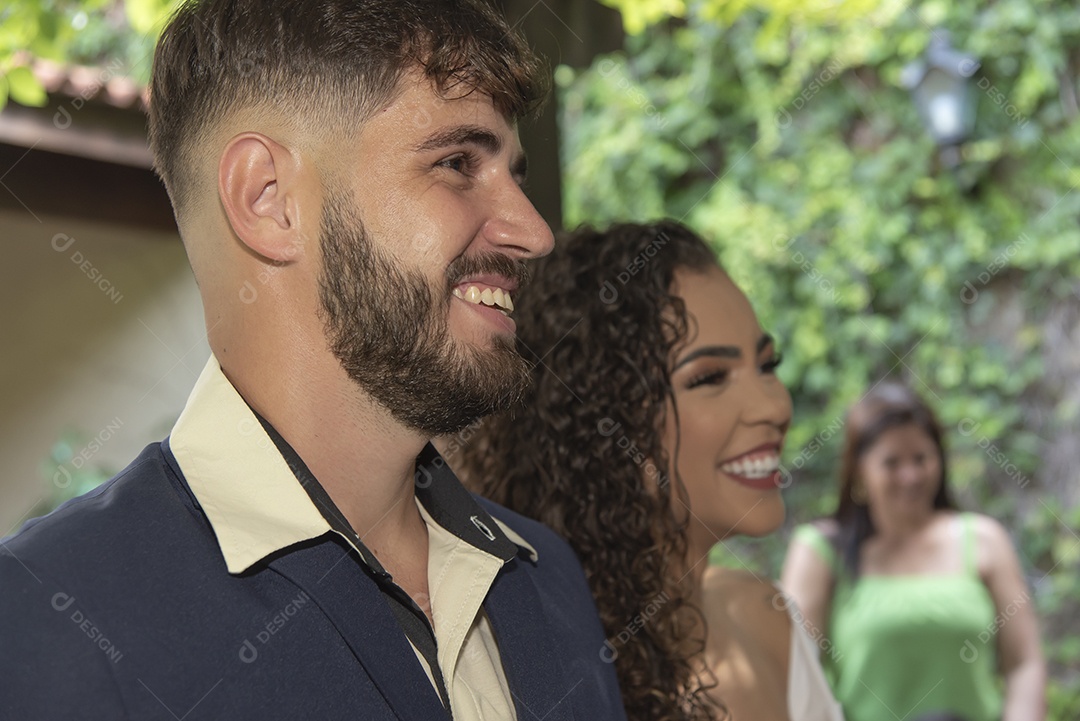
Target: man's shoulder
(96, 508)
(83, 586)
(106, 534)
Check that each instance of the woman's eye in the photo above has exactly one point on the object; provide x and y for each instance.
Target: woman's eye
(772, 364)
(711, 379)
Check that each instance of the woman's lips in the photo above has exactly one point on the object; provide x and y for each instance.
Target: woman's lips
(758, 468)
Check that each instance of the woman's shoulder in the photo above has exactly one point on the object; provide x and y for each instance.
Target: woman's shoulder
(986, 527)
(826, 529)
(815, 547)
(986, 531)
(739, 596)
(747, 617)
(992, 539)
(984, 543)
(736, 581)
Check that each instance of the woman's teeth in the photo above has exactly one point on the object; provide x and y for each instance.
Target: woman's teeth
(497, 298)
(756, 467)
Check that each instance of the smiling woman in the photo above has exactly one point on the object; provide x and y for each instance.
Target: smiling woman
(652, 431)
(728, 416)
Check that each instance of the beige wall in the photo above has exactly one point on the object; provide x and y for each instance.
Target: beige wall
(101, 338)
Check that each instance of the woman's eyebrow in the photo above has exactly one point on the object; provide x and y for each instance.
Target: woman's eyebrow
(715, 351)
(722, 351)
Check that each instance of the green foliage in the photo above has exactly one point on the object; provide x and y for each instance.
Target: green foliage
(119, 33)
(148, 16)
(779, 130)
(24, 88)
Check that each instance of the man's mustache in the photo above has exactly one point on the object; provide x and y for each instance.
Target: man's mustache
(485, 264)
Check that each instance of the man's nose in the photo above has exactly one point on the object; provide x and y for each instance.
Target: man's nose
(516, 227)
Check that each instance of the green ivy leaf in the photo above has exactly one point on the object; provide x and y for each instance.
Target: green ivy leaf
(25, 88)
(148, 16)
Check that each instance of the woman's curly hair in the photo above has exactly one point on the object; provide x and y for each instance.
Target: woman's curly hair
(586, 457)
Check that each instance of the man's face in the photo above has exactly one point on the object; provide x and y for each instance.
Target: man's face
(422, 255)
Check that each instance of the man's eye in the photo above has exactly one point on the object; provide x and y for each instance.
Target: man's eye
(708, 379)
(463, 163)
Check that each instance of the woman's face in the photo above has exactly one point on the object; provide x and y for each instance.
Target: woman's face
(733, 413)
(901, 472)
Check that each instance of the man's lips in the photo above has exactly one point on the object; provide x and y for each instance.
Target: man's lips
(486, 284)
(489, 294)
(491, 291)
(501, 318)
(490, 280)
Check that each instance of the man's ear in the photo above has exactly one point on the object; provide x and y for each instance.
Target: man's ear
(256, 177)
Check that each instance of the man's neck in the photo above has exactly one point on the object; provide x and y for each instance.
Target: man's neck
(362, 457)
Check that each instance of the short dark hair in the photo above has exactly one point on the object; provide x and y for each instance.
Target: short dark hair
(333, 62)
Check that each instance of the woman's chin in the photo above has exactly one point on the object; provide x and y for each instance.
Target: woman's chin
(764, 519)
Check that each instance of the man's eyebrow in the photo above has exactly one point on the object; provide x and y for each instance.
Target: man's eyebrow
(479, 136)
(722, 351)
(463, 135)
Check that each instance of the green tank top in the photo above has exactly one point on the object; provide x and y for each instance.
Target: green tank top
(903, 646)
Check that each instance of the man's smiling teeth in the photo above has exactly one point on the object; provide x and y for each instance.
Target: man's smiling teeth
(497, 298)
(755, 467)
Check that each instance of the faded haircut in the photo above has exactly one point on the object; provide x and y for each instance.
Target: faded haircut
(330, 64)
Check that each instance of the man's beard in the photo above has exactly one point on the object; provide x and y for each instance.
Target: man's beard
(389, 329)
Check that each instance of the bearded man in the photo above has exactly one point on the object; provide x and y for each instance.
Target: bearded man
(347, 180)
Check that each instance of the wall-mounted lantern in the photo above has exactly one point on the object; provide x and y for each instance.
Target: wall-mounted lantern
(940, 84)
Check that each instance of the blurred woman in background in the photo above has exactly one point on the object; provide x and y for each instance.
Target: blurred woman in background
(926, 607)
(652, 432)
